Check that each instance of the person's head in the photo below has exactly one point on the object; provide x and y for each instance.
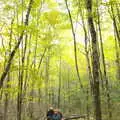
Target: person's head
(56, 110)
(51, 108)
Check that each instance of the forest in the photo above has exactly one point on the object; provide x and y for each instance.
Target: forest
(60, 53)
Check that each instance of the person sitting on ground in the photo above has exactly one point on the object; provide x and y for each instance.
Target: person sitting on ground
(50, 113)
(57, 115)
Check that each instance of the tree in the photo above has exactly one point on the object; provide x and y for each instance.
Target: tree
(95, 61)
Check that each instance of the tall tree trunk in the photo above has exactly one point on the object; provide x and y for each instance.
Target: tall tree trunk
(117, 57)
(41, 59)
(75, 46)
(59, 88)
(95, 61)
(104, 66)
(69, 98)
(88, 63)
(21, 72)
(115, 26)
(19, 92)
(20, 83)
(28, 65)
(47, 79)
(8, 76)
(86, 48)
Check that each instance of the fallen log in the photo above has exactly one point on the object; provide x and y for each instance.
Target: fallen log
(75, 117)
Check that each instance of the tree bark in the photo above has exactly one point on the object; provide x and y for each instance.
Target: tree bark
(104, 67)
(115, 26)
(8, 77)
(75, 46)
(95, 62)
(59, 89)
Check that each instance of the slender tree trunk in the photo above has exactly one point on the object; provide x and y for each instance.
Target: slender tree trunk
(95, 62)
(19, 90)
(69, 98)
(88, 63)
(75, 46)
(21, 73)
(86, 48)
(25, 84)
(59, 89)
(6, 98)
(21, 76)
(47, 79)
(41, 59)
(34, 68)
(8, 77)
(104, 68)
(115, 26)
(64, 100)
(28, 66)
(117, 58)
(5, 60)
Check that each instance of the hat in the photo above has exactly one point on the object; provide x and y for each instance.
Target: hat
(51, 108)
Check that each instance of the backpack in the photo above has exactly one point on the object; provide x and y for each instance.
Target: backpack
(56, 117)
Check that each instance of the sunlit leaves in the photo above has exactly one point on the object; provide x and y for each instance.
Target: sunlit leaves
(51, 4)
(52, 17)
(37, 3)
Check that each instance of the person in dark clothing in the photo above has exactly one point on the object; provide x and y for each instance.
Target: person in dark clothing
(50, 113)
(57, 115)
